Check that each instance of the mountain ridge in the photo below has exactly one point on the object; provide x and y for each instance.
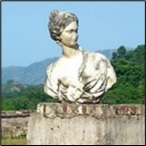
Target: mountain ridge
(35, 73)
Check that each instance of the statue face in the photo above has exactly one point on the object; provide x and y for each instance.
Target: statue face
(69, 35)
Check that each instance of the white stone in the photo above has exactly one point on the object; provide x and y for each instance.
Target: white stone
(78, 76)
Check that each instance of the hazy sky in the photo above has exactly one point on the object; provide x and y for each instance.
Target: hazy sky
(102, 25)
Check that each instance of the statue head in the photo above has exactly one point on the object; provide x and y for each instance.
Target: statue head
(59, 20)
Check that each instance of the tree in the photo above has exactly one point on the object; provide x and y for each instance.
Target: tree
(129, 68)
(114, 55)
(121, 51)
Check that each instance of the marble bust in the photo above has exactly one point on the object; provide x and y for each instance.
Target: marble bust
(78, 76)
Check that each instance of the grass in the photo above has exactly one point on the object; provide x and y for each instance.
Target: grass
(14, 141)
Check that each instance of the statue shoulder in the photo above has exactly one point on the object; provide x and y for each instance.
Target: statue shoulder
(51, 67)
(100, 57)
(55, 68)
(94, 55)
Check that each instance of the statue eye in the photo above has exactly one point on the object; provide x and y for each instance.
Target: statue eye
(74, 30)
(71, 30)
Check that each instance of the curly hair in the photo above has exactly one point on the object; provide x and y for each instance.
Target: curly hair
(58, 21)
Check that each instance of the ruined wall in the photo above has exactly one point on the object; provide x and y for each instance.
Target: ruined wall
(87, 124)
(14, 123)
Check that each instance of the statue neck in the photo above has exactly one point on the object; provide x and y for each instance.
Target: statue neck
(70, 51)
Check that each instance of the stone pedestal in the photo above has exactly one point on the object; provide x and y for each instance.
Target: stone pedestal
(86, 124)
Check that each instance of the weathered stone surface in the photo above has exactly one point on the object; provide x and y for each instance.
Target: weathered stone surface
(14, 123)
(85, 124)
(14, 127)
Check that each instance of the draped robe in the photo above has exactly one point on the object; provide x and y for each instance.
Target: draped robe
(82, 78)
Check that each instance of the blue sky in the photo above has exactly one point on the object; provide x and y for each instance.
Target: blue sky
(102, 25)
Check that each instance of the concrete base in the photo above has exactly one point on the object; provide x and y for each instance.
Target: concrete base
(86, 124)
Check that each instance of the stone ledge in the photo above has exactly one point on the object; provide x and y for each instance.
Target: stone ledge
(87, 124)
(63, 110)
(14, 114)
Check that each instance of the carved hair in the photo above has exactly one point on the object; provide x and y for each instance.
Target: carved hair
(58, 21)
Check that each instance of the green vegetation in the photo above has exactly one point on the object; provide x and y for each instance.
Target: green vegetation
(129, 89)
(129, 67)
(14, 140)
(26, 98)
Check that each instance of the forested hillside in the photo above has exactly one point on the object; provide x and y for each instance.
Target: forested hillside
(33, 74)
(129, 67)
